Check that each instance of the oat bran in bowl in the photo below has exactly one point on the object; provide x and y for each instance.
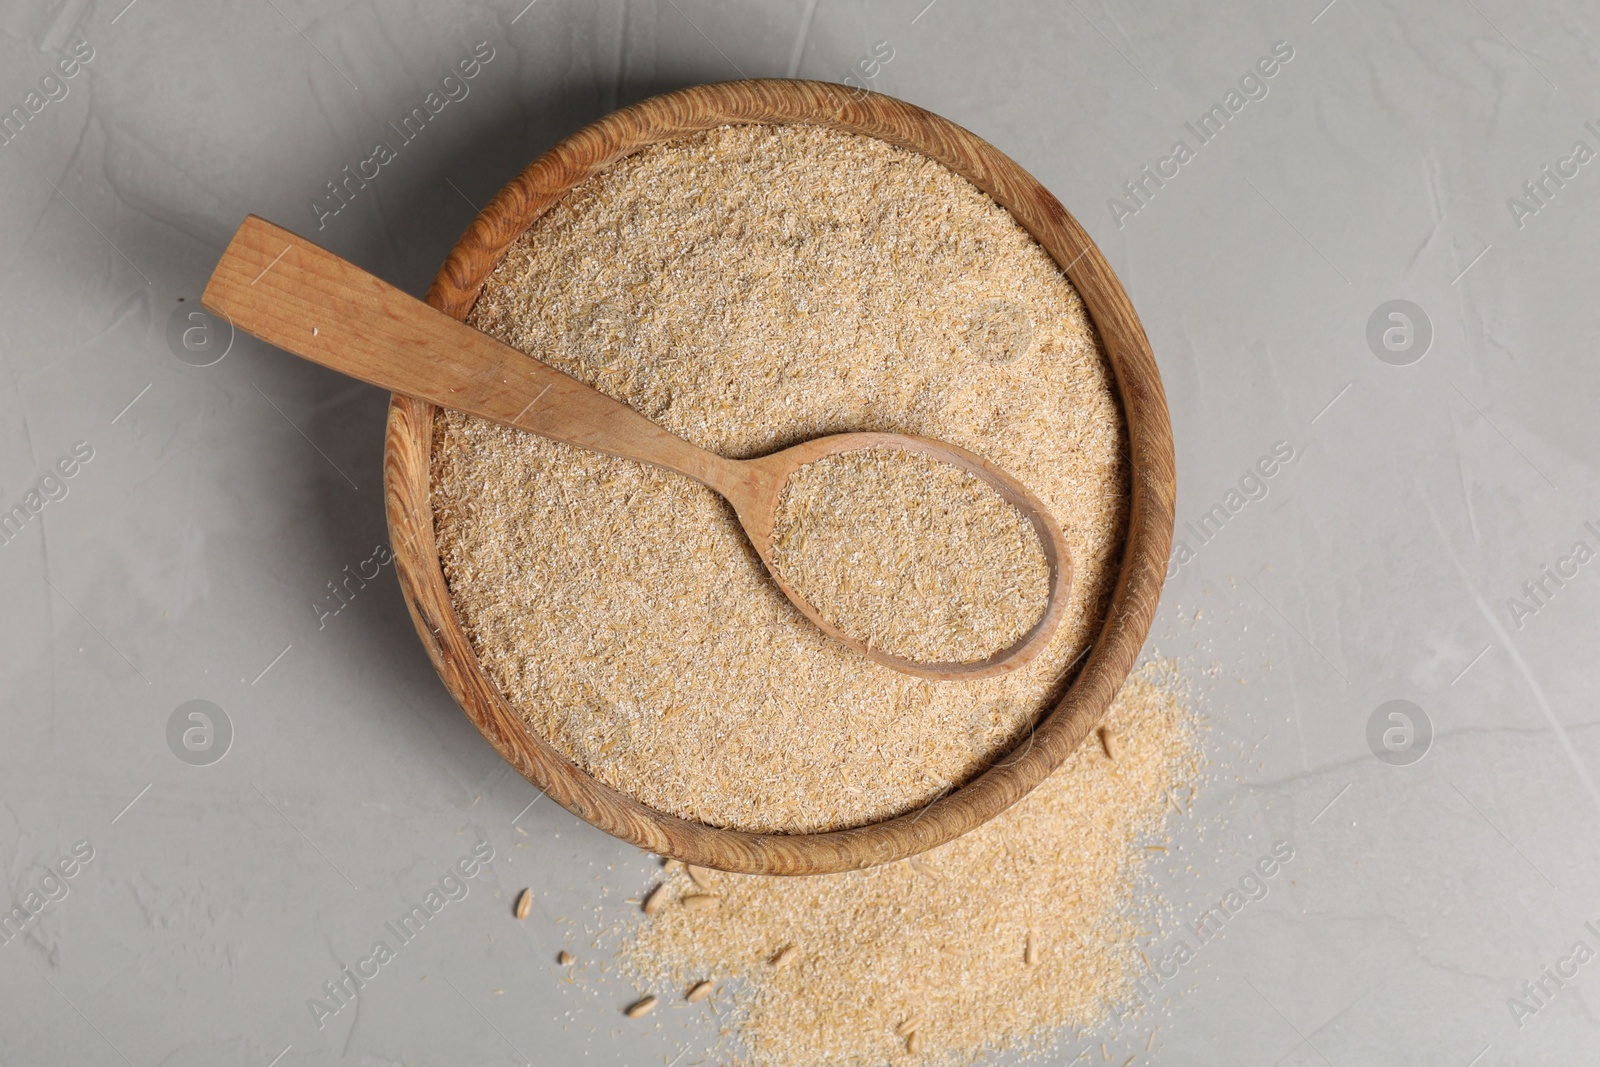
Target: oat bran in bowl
(750, 264)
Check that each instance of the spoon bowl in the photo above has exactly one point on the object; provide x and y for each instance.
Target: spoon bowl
(297, 295)
(755, 499)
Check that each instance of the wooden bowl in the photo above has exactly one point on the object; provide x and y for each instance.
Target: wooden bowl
(1127, 621)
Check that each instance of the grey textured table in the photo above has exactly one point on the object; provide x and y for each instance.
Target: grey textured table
(187, 508)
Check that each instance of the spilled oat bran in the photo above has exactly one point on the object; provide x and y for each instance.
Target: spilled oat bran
(1000, 940)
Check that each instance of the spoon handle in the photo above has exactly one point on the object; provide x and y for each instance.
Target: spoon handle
(308, 301)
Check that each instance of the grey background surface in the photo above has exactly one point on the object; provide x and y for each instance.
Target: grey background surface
(190, 558)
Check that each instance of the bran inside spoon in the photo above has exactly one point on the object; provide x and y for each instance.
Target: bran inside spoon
(915, 557)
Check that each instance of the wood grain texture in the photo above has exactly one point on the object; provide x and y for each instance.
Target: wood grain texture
(1133, 604)
(304, 299)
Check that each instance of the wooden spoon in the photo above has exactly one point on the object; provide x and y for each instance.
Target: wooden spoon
(306, 300)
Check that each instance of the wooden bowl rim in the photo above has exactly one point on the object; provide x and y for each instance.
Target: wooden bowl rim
(673, 115)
